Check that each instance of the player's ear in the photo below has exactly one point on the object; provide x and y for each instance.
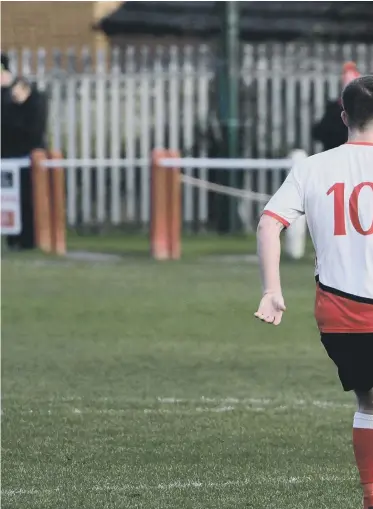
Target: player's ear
(344, 118)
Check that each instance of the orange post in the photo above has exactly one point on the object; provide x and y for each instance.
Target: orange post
(174, 208)
(58, 206)
(159, 243)
(165, 230)
(41, 199)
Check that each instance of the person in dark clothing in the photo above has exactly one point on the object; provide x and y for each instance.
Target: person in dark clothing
(330, 130)
(23, 126)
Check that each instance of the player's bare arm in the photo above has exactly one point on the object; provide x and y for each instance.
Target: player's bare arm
(272, 305)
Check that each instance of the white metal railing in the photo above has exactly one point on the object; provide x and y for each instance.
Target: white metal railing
(107, 202)
(226, 164)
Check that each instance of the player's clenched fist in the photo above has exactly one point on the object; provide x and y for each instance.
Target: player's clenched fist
(271, 308)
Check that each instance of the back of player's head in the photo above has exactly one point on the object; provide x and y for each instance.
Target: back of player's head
(357, 100)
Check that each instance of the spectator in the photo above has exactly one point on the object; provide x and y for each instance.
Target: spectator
(330, 130)
(23, 123)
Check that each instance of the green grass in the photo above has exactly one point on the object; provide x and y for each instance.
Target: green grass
(150, 386)
(137, 244)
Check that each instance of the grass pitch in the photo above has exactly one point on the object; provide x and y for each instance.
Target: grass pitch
(150, 385)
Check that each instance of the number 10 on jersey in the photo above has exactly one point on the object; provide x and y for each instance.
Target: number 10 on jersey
(339, 210)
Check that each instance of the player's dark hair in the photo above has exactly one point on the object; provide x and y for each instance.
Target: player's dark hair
(357, 100)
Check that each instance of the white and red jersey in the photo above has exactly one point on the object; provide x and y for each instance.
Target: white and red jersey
(334, 190)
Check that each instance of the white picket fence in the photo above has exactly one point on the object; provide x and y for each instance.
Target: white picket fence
(119, 106)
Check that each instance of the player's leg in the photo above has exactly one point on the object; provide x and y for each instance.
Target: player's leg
(363, 442)
(353, 356)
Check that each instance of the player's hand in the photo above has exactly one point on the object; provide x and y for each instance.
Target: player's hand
(271, 308)
(21, 92)
(6, 78)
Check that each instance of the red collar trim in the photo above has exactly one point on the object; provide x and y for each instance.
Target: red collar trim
(359, 143)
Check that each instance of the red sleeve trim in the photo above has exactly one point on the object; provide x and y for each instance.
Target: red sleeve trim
(275, 216)
(367, 143)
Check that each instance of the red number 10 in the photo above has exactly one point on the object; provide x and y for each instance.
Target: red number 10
(339, 213)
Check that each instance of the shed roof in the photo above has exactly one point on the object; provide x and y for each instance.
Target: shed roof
(344, 21)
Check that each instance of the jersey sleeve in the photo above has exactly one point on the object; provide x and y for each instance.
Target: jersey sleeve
(287, 204)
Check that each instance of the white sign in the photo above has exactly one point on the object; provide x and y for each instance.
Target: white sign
(10, 198)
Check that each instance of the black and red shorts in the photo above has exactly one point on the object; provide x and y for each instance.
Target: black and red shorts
(352, 353)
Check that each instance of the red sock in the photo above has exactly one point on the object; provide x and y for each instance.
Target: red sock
(363, 447)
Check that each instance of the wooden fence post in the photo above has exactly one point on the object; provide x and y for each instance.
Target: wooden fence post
(159, 241)
(174, 207)
(41, 199)
(165, 232)
(58, 205)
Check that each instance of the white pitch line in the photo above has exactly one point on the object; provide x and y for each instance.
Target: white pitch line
(197, 402)
(184, 406)
(160, 411)
(33, 491)
(205, 399)
(259, 401)
(189, 484)
(322, 405)
(176, 401)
